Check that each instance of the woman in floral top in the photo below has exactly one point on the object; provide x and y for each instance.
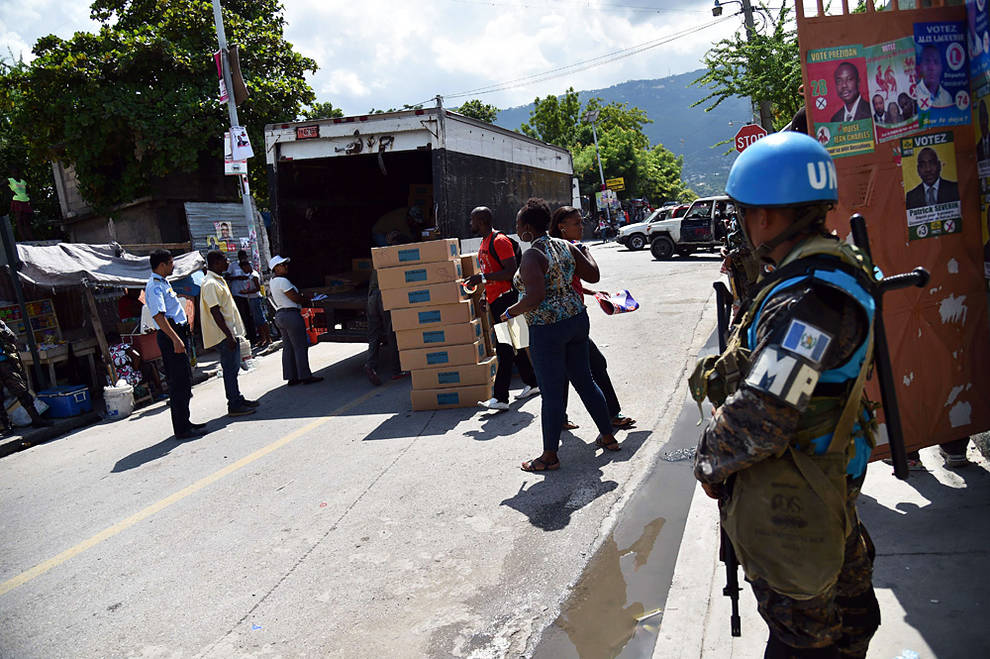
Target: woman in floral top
(558, 328)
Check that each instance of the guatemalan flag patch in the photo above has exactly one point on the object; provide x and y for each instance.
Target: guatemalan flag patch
(806, 340)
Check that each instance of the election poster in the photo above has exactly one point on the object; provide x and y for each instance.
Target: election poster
(978, 38)
(942, 89)
(891, 81)
(985, 217)
(840, 112)
(981, 119)
(928, 167)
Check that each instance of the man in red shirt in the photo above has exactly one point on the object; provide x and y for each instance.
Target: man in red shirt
(498, 265)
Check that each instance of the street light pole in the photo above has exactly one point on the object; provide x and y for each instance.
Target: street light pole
(766, 117)
(592, 117)
(232, 111)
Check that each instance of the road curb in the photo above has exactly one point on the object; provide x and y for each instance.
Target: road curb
(43, 435)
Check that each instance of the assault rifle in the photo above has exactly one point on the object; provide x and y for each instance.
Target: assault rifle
(881, 353)
(726, 552)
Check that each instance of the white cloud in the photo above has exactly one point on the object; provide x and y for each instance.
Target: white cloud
(386, 53)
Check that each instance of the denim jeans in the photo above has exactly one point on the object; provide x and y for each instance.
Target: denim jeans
(230, 360)
(559, 352)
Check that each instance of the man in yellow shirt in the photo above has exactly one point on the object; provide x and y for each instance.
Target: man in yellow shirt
(221, 324)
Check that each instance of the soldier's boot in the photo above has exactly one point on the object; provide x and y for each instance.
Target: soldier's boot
(37, 421)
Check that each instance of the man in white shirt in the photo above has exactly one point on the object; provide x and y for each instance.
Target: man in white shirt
(931, 91)
(854, 107)
(222, 326)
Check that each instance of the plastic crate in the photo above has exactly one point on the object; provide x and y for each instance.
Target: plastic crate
(67, 401)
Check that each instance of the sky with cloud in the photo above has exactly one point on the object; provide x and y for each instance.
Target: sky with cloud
(386, 53)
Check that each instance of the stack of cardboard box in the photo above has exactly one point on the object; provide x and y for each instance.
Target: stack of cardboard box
(440, 338)
(470, 266)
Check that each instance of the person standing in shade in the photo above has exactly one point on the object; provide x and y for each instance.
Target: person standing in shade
(13, 380)
(173, 337)
(381, 338)
(20, 206)
(222, 326)
(288, 318)
(497, 257)
(558, 329)
(245, 284)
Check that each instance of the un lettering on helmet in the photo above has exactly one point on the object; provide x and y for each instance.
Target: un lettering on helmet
(823, 175)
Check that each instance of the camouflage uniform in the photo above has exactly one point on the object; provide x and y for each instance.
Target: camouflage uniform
(12, 375)
(753, 425)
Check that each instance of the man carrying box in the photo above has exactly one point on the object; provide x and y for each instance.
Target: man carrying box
(497, 257)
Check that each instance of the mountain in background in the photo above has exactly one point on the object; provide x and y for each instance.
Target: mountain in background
(687, 131)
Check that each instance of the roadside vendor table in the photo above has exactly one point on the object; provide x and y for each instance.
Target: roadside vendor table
(48, 358)
(87, 348)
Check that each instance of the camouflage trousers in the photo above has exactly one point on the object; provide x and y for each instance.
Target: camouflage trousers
(843, 618)
(12, 379)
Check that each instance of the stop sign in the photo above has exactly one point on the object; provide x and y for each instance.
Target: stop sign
(747, 135)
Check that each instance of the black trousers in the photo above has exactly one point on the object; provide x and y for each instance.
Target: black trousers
(599, 371)
(243, 305)
(507, 355)
(179, 374)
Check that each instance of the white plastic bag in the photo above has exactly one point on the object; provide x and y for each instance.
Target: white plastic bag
(18, 415)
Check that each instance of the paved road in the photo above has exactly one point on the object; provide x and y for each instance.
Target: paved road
(336, 522)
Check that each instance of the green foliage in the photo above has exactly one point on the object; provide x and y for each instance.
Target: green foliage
(765, 67)
(478, 110)
(651, 172)
(320, 110)
(137, 100)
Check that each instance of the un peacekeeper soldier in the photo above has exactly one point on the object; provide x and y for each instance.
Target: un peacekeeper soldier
(12, 379)
(786, 449)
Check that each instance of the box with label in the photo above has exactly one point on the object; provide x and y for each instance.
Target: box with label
(405, 276)
(439, 336)
(455, 376)
(433, 316)
(418, 358)
(439, 399)
(418, 296)
(470, 265)
(411, 254)
(361, 265)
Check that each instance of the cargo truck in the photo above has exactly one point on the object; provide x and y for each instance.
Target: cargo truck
(331, 180)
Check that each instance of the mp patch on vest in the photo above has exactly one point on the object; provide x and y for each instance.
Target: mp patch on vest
(784, 376)
(806, 340)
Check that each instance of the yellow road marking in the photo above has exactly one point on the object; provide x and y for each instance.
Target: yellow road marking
(125, 524)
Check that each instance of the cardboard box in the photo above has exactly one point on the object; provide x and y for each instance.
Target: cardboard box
(469, 264)
(433, 316)
(487, 333)
(456, 376)
(406, 276)
(419, 358)
(403, 298)
(439, 336)
(361, 265)
(411, 254)
(440, 399)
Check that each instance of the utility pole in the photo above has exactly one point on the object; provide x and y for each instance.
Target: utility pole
(592, 118)
(766, 117)
(232, 111)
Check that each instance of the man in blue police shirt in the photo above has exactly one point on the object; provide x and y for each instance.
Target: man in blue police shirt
(172, 335)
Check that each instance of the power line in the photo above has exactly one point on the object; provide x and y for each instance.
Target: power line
(584, 65)
(584, 6)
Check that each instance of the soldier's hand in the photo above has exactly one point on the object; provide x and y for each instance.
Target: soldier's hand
(714, 491)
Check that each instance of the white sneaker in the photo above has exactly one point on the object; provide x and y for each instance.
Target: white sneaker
(493, 404)
(527, 392)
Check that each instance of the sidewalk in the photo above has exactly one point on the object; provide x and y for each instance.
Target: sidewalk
(932, 535)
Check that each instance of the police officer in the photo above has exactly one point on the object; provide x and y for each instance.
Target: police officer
(786, 449)
(173, 337)
(12, 379)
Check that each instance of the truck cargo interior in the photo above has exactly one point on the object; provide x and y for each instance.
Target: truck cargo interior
(327, 207)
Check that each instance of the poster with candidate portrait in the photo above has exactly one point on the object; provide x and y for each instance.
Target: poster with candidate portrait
(931, 188)
(985, 219)
(978, 38)
(981, 120)
(940, 58)
(840, 109)
(891, 81)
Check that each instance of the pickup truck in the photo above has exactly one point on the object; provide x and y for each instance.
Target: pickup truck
(331, 180)
(703, 226)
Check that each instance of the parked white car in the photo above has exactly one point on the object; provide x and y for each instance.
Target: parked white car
(633, 236)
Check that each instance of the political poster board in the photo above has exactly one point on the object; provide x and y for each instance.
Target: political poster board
(942, 89)
(840, 111)
(891, 80)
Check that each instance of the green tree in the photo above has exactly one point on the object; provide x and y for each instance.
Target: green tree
(555, 120)
(320, 110)
(137, 100)
(478, 110)
(766, 67)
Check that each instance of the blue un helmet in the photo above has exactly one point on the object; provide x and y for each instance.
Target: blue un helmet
(783, 169)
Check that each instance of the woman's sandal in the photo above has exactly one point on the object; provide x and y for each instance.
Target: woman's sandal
(620, 421)
(608, 446)
(539, 464)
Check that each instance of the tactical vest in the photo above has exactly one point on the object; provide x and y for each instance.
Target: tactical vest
(788, 516)
(832, 263)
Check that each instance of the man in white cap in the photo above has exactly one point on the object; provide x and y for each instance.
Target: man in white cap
(288, 318)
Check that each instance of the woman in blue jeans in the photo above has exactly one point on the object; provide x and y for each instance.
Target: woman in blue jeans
(558, 329)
